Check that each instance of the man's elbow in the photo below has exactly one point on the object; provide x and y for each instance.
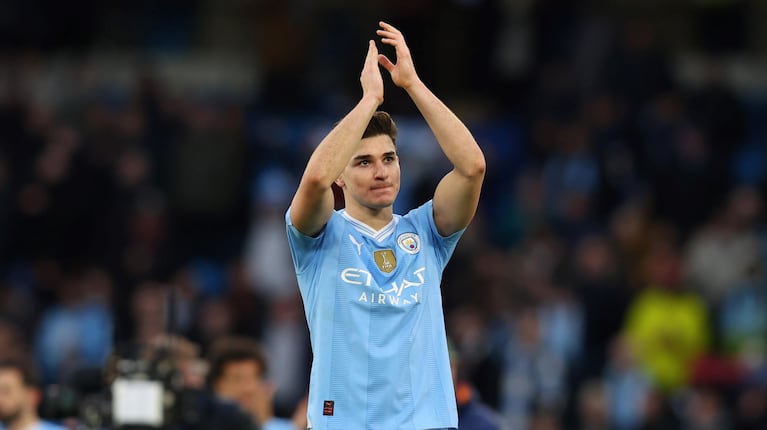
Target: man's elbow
(476, 168)
(315, 182)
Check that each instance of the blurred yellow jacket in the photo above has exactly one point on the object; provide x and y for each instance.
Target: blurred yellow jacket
(669, 329)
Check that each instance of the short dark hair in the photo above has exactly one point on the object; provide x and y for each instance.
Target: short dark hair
(28, 372)
(381, 123)
(230, 350)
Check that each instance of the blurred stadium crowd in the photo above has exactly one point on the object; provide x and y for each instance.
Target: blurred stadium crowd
(614, 277)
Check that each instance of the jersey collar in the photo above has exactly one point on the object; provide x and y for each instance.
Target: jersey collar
(377, 235)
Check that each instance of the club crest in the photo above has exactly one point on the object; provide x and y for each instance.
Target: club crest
(409, 242)
(385, 260)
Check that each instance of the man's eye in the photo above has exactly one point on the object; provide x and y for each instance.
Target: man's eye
(364, 163)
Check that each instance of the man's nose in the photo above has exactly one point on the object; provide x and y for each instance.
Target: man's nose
(380, 170)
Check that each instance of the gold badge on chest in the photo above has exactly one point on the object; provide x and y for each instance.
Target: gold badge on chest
(385, 260)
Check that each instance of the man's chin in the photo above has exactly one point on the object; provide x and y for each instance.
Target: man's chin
(6, 419)
(377, 205)
(382, 203)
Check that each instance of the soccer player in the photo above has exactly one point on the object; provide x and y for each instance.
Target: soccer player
(369, 278)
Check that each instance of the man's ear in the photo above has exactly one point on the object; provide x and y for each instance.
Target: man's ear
(34, 397)
(340, 182)
(338, 196)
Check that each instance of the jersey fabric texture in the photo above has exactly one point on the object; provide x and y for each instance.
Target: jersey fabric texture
(374, 307)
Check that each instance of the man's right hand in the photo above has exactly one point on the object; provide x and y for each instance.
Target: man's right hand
(371, 79)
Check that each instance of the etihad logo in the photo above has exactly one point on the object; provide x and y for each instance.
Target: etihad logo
(395, 295)
(385, 260)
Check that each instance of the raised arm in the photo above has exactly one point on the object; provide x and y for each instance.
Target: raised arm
(312, 204)
(457, 194)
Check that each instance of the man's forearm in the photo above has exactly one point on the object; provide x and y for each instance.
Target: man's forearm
(334, 151)
(453, 136)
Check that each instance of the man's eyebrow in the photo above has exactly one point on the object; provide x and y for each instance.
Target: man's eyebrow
(369, 156)
(362, 157)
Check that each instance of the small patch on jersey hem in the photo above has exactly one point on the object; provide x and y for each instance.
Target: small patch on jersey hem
(327, 407)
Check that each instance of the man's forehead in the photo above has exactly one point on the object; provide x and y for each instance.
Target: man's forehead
(381, 143)
(247, 365)
(9, 375)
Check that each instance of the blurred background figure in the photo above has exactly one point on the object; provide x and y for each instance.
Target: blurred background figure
(188, 403)
(473, 412)
(238, 369)
(20, 396)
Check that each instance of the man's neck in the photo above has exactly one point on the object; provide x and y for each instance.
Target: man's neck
(23, 423)
(372, 217)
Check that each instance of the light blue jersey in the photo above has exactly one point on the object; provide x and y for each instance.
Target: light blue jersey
(374, 307)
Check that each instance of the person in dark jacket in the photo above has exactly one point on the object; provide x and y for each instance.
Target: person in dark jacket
(473, 413)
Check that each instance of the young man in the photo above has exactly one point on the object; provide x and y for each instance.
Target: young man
(20, 396)
(237, 373)
(370, 279)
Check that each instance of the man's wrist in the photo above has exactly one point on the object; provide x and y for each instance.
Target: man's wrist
(372, 100)
(414, 85)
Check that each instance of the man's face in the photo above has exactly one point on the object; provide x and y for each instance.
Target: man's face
(15, 398)
(241, 382)
(372, 177)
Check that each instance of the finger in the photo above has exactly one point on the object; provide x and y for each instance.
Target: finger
(372, 50)
(388, 34)
(384, 61)
(392, 42)
(388, 27)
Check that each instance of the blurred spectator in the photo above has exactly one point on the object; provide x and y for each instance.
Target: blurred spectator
(704, 409)
(667, 324)
(269, 265)
(473, 413)
(76, 333)
(545, 420)
(19, 397)
(214, 321)
(638, 68)
(628, 386)
(533, 376)
(593, 410)
(286, 339)
(717, 110)
(751, 409)
(238, 369)
(248, 310)
(524, 212)
(724, 253)
(11, 344)
(196, 406)
(658, 413)
(692, 184)
(208, 178)
(601, 289)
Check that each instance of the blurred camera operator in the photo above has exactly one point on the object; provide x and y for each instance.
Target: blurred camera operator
(196, 408)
